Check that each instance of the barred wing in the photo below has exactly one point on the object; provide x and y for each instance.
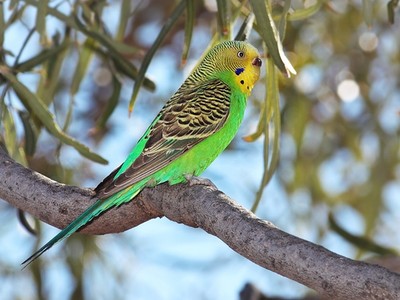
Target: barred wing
(188, 118)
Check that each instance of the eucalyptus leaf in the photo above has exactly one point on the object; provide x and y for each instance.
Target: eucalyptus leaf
(189, 24)
(149, 56)
(44, 115)
(30, 133)
(85, 57)
(271, 118)
(269, 34)
(224, 18)
(304, 13)
(245, 28)
(40, 58)
(111, 104)
(41, 19)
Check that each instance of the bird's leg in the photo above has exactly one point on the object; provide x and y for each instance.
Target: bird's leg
(151, 183)
(194, 180)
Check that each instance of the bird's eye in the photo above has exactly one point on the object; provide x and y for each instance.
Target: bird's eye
(240, 54)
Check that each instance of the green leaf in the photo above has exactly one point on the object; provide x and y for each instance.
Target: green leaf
(123, 64)
(125, 49)
(224, 19)
(260, 126)
(10, 134)
(39, 59)
(268, 32)
(272, 115)
(10, 137)
(41, 19)
(391, 6)
(114, 47)
(24, 222)
(46, 117)
(13, 4)
(359, 241)
(189, 24)
(30, 133)
(131, 71)
(305, 13)
(283, 19)
(15, 15)
(147, 59)
(245, 29)
(49, 83)
(367, 12)
(115, 55)
(85, 57)
(111, 104)
(2, 28)
(124, 16)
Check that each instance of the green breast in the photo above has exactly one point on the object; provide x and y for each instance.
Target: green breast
(197, 159)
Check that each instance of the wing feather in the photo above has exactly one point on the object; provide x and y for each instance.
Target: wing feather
(188, 118)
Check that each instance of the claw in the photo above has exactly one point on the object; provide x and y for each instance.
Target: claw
(194, 180)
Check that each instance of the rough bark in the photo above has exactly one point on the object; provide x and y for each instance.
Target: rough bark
(331, 275)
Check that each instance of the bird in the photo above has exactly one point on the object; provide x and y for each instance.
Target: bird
(195, 125)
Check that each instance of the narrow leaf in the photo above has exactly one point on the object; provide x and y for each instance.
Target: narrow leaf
(269, 34)
(283, 19)
(30, 133)
(13, 4)
(2, 27)
(24, 222)
(113, 46)
(131, 71)
(359, 241)
(126, 49)
(10, 134)
(124, 16)
(109, 44)
(245, 29)
(39, 59)
(41, 13)
(74, 23)
(224, 18)
(147, 59)
(305, 13)
(111, 104)
(46, 117)
(260, 126)
(48, 85)
(272, 116)
(10, 137)
(15, 15)
(189, 24)
(85, 57)
(121, 66)
(24, 44)
(367, 12)
(391, 6)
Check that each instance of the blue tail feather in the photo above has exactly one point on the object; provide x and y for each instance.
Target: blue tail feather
(93, 211)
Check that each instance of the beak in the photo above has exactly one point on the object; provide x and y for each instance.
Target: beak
(257, 62)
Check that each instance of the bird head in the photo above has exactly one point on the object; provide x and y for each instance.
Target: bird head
(237, 62)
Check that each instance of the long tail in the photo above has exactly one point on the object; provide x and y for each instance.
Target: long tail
(93, 211)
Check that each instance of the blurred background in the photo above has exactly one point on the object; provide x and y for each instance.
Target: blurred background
(336, 183)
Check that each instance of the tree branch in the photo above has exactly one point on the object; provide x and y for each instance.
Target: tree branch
(332, 275)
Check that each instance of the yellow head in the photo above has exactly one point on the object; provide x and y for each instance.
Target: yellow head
(238, 63)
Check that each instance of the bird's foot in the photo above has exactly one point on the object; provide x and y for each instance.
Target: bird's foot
(194, 180)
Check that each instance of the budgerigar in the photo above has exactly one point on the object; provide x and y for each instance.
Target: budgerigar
(191, 130)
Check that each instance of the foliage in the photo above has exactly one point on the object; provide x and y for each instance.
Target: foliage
(73, 67)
